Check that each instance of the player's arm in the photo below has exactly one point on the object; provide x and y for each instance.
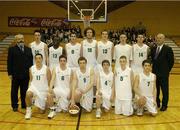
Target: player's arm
(131, 57)
(148, 53)
(52, 81)
(154, 89)
(81, 52)
(65, 50)
(96, 50)
(71, 83)
(98, 84)
(46, 54)
(136, 86)
(112, 50)
(74, 85)
(48, 76)
(90, 85)
(113, 90)
(114, 54)
(30, 76)
(132, 78)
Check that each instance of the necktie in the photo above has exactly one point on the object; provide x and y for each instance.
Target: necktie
(22, 48)
(157, 52)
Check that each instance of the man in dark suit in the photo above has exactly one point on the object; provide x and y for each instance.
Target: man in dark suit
(163, 61)
(19, 61)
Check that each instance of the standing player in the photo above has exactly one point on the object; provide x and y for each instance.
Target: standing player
(62, 83)
(105, 88)
(39, 47)
(123, 88)
(38, 88)
(89, 47)
(73, 50)
(140, 53)
(123, 49)
(54, 52)
(145, 90)
(104, 49)
(83, 85)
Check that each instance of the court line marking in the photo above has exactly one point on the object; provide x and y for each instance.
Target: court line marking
(127, 124)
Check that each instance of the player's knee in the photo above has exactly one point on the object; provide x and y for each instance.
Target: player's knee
(29, 94)
(98, 97)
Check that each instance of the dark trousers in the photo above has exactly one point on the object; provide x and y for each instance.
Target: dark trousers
(23, 84)
(163, 84)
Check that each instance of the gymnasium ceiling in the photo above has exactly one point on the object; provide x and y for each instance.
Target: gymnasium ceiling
(111, 4)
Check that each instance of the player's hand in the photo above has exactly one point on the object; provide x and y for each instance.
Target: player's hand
(99, 93)
(112, 98)
(82, 91)
(50, 90)
(72, 103)
(10, 77)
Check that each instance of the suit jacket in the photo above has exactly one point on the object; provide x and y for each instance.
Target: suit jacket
(163, 64)
(19, 62)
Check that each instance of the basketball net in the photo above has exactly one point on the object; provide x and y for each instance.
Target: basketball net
(86, 21)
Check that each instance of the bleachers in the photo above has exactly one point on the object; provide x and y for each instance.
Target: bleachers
(4, 44)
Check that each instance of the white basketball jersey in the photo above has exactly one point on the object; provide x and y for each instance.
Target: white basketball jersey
(106, 81)
(139, 55)
(54, 56)
(73, 54)
(84, 79)
(38, 49)
(122, 50)
(62, 78)
(104, 51)
(146, 84)
(89, 52)
(39, 78)
(123, 87)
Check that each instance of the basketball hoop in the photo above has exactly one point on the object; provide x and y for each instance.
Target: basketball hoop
(86, 21)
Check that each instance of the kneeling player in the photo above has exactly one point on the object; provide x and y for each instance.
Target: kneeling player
(145, 90)
(105, 88)
(83, 85)
(61, 80)
(39, 79)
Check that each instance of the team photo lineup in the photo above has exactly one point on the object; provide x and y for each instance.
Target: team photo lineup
(90, 74)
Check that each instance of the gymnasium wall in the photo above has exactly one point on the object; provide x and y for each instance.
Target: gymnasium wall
(31, 9)
(156, 16)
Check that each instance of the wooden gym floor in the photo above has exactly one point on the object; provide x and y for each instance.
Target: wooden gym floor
(9, 120)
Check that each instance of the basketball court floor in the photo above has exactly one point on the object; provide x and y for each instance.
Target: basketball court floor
(168, 120)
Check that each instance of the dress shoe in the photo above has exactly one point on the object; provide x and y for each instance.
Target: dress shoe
(15, 109)
(163, 108)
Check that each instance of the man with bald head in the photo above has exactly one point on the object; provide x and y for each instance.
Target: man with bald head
(19, 61)
(163, 61)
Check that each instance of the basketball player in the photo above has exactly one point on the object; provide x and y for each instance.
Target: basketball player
(89, 47)
(89, 51)
(140, 53)
(122, 49)
(105, 88)
(54, 52)
(104, 49)
(83, 85)
(123, 88)
(73, 51)
(38, 88)
(39, 47)
(61, 81)
(145, 90)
